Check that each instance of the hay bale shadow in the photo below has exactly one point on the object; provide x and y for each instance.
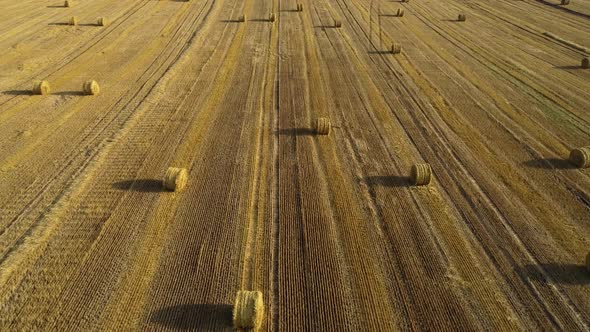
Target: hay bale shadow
(569, 67)
(141, 185)
(296, 132)
(59, 24)
(18, 92)
(549, 163)
(202, 317)
(388, 181)
(569, 274)
(69, 93)
(379, 52)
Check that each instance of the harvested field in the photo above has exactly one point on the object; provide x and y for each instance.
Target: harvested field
(227, 154)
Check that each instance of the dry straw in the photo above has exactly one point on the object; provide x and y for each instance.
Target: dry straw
(400, 12)
(420, 174)
(461, 18)
(585, 63)
(175, 179)
(396, 48)
(90, 87)
(102, 21)
(248, 310)
(322, 126)
(580, 157)
(41, 88)
(73, 20)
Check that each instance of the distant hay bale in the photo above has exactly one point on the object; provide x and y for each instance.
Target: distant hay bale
(400, 12)
(405, 0)
(461, 18)
(73, 20)
(337, 23)
(41, 88)
(299, 7)
(248, 310)
(322, 126)
(420, 174)
(175, 179)
(90, 87)
(68, 4)
(580, 157)
(102, 21)
(585, 63)
(396, 48)
(242, 18)
(272, 17)
(565, 2)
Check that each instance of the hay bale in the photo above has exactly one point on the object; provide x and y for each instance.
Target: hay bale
(337, 24)
(272, 17)
(175, 179)
(322, 126)
(90, 87)
(400, 12)
(585, 63)
(565, 2)
(420, 174)
(299, 7)
(461, 18)
(41, 88)
(248, 310)
(396, 48)
(242, 18)
(405, 0)
(102, 21)
(68, 4)
(73, 20)
(580, 157)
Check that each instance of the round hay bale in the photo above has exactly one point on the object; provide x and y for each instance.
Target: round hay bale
(461, 18)
(322, 126)
(102, 21)
(272, 17)
(585, 63)
(396, 48)
(400, 12)
(175, 179)
(405, 0)
(580, 157)
(73, 20)
(248, 310)
(90, 87)
(299, 7)
(68, 4)
(337, 24)
(565, 2)
(41, 88)
(420, 174)
(242, 18)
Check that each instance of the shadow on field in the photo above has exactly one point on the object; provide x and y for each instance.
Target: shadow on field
(564, 8)
(380, 52)
(18, 92)
(569, 67)
(231, 21)
(202, 317)
(549, 163)
(142, 185)
(388, 181)
(62, 6)
(570, 274)
(69, 93)
(59, 23)
(296, 132)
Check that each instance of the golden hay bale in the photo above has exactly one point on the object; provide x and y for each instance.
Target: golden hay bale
(337, 23)
(68, 4)
(396, 48)
(41, 88)
(102, 21)
(585, 63)
(580, 157)
(248, 310)
(242, 18)
(400, 12)
(272, 17)
(322, 126)
(461, 18)
(175, 179)
(73, 20)
(420, 174)
(565, 2)
(90, 87)
(299, 7)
